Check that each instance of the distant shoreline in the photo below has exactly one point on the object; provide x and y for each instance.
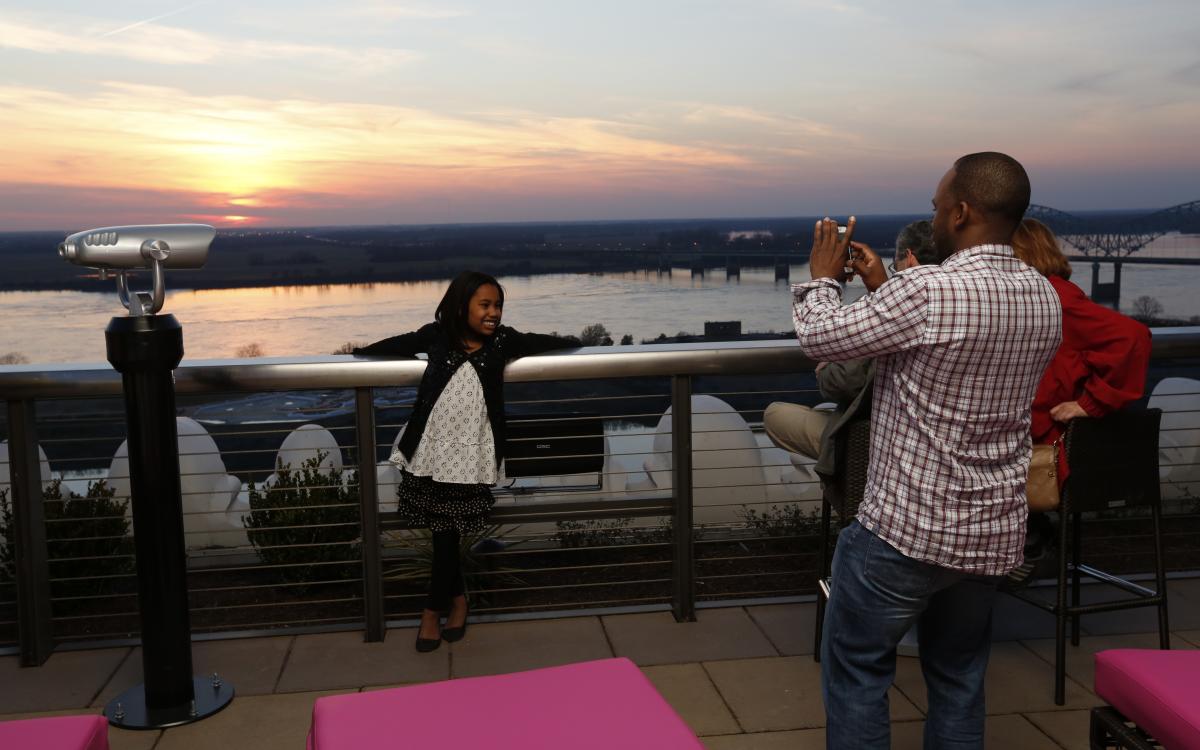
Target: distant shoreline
(185, 280)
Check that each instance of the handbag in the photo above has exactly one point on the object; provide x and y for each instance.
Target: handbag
(1041, 488)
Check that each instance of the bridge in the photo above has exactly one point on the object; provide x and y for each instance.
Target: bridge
(1170, 236)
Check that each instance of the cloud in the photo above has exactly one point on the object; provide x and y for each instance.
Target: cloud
(1188, 75)
(324, 16)
(836, 7)
(152, 19)
(169, 45)
(389, 11)
(780, 124)
(1091, 81)
(129, 135)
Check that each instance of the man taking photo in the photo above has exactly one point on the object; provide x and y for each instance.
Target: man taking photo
(960, 347)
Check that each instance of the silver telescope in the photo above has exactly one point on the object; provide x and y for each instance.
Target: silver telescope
(126, 248)
(130, 248)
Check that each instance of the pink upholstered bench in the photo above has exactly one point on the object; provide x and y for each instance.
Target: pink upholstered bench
(596, 705)
(55, 733)
(1159, 691)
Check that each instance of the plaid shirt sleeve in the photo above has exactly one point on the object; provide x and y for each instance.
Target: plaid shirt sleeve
(888, 320)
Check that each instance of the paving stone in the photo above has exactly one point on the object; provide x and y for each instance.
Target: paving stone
(1068, 728)
(68, 679)
(804, 739)
(692, 694)
(1190, 636)
(655, 637)
(782, 693)
(1081, 662)
(789, 627)
(1008, 731)
(1183, 598)
(251, 665)
(330, 661)
(262, 722)
(500, 647)
(1013, 619)
(1017, 681)
(118, 739)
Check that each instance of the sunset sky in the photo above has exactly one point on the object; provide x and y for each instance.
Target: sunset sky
(358, 111)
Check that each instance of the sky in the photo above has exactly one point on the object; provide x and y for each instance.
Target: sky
(303, 113)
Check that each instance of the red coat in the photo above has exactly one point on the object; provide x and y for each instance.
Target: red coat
(1101, 363)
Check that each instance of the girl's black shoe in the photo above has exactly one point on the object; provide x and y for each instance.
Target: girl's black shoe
(450, 635)
(425, 645)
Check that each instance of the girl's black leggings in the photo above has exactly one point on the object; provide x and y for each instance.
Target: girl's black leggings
(446, 579)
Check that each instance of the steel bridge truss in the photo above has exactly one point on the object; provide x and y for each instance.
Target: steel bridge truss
(1119, 238)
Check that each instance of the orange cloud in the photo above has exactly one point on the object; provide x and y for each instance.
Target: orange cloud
(137, 137)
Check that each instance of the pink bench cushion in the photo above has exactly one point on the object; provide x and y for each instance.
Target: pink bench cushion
(596, 705)
(1157, 690)
(55, 733)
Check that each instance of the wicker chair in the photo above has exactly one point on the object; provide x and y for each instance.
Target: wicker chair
(1114, 464)
(841, 496)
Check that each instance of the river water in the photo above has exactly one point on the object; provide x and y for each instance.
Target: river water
(56, 327)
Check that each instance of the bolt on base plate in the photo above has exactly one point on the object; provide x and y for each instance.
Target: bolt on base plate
(128, 710)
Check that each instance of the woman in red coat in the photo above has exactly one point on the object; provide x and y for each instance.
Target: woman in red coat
(1099, 367)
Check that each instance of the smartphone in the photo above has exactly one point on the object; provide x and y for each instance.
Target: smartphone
(849, 250)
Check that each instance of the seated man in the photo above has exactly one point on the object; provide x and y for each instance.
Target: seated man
(810, 432)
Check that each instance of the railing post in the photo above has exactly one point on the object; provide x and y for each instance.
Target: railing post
(368, 513)
(683, 594)
(29, 517)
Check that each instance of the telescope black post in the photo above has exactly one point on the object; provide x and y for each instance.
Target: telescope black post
(145, 349)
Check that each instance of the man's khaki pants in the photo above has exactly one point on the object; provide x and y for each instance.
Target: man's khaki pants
(796, 428)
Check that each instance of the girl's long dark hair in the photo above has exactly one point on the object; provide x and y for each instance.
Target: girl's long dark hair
(452, 310)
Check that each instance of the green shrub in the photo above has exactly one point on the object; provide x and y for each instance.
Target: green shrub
(788, 520)
(87, 542)
(612, 532)
(306, 522)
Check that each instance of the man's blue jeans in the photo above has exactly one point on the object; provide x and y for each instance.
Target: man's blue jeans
(878, 593)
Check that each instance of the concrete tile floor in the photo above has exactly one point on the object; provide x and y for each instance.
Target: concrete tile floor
(742, 677)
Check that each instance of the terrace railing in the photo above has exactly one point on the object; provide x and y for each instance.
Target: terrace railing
(688, 505)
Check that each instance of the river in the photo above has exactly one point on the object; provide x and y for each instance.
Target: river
(56, 327)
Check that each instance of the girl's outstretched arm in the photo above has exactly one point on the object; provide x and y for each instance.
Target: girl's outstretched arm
(527, 344)
(404, 345)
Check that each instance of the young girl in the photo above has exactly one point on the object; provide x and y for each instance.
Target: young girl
(452, 448)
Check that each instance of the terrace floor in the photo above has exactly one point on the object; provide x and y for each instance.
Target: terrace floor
(742, 677)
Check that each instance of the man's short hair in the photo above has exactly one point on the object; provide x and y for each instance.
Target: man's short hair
(993, 183)
(918, 237)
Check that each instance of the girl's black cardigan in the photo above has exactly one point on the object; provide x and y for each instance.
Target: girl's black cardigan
(503, 346)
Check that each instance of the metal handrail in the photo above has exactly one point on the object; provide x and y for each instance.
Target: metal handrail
(343, 371)
(21, 382)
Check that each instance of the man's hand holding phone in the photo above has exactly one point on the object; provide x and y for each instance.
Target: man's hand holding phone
(867, 264)
(831, 250)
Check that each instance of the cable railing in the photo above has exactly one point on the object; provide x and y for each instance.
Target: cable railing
(291, 521)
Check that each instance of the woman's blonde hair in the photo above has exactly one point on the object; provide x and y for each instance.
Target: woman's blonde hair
(1037, 246)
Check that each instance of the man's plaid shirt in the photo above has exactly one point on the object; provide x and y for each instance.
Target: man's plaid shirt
(961, 348)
